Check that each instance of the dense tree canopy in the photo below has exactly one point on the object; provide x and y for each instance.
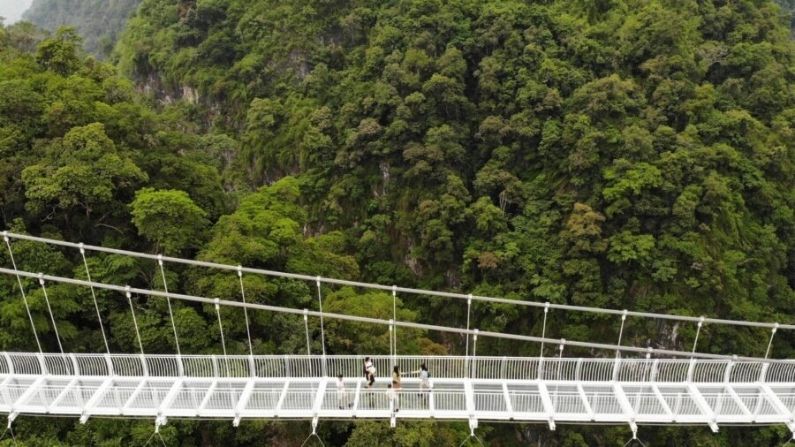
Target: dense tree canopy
(625, 153)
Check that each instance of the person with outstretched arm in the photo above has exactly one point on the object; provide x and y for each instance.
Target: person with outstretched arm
(425, 380)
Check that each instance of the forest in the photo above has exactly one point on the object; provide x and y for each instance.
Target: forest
(630, 154)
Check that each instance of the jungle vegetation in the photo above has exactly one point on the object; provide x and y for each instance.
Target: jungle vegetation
(618, 153)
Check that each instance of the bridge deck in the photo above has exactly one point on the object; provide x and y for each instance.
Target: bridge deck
(627, 391)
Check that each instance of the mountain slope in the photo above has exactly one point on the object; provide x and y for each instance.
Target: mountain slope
(622, 153)
(98, 22)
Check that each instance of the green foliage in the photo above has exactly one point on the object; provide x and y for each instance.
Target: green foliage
(622, 153)
(59, 53)
(416, 434)
(169, 219)
(83, 170)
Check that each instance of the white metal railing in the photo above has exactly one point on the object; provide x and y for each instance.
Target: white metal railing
(440, 367)
(232, 398)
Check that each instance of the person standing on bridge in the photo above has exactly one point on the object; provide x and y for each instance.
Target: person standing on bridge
(392, 395)
(342, 394)
(369, 372)
(425, 380)
(396, 386)
(366, 369)
(369, 377)
(396, 378)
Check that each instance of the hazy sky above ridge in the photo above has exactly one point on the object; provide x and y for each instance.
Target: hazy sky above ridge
(12, 9)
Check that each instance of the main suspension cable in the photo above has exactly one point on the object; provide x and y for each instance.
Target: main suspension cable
(404, 324)
(461, 296)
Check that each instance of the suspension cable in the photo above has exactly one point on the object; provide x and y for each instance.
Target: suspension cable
(471, 437)
(217, 303)
(561, 346)
(22, 290)
(168, 301)
(474, 350)
(698, 332)
(245, 310)
(322, 328)
(342, 282)
(544, 330)
(10, 431)
(621, 332)
(469, 309)
(394, 317)
(156, 435)
(128, 294)
(94, 297)
(634, 438)
(313, 435)
(370, 320)
(49, 310)
(306, 330)
(770, 343)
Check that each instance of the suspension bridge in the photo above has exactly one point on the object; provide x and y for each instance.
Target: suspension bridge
(624, 385)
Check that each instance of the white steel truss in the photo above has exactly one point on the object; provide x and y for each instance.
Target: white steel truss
(567, 390)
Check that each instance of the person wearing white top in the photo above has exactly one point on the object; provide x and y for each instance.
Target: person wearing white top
(425, 380)
(342, 394)
(391, 394)
(369, 371)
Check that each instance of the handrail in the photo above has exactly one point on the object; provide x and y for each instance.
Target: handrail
(629, 370)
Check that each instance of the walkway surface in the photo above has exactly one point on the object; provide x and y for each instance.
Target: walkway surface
(549, 390)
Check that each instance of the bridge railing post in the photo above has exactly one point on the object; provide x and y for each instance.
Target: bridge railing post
(109, 363)
(391, 342)
(690, 370)
(475, 354)
(763, 373)
(75, 366)
(287, 371)
(180, 365)
(9, 363)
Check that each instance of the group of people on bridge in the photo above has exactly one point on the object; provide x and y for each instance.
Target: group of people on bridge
(392, 389)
